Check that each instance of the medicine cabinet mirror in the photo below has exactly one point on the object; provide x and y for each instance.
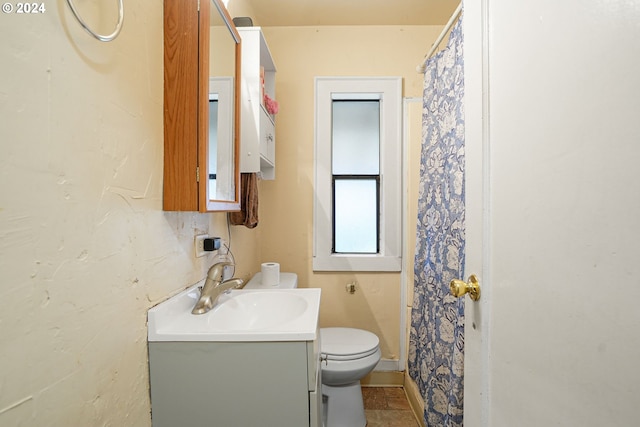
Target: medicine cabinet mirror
(201, 107)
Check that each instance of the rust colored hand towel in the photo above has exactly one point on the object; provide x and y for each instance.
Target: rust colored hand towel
(248, 214)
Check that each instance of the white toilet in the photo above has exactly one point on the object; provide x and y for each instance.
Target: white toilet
(347, 356)
(287, 281)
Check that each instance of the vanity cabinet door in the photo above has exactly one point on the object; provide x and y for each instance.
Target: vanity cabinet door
(229, 384)
(315, 404)
(315, 382)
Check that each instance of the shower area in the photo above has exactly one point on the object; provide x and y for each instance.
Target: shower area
(436, 319)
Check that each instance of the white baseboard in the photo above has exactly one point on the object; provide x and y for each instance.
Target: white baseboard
(386, 365)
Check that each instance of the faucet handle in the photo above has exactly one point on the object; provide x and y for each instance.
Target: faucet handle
(234, 283)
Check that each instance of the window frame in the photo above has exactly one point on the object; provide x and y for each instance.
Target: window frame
(388, 90)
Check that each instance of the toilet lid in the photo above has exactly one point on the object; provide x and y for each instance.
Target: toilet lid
(347, 343)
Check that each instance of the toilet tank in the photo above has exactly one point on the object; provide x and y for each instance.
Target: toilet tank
(287, 281)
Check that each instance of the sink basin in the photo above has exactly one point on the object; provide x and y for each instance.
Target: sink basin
(258, 310)
(239, 315)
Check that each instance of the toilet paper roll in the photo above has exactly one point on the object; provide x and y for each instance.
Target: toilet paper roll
(270, 274)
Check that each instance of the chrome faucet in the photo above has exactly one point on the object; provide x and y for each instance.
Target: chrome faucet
(214, 286)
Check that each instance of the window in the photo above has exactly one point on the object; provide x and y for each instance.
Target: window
(358, 174)
(355, 169)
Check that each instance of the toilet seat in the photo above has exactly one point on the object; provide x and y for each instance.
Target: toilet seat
(347, 343)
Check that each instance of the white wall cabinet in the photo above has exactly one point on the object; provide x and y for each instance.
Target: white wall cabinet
(257, 136)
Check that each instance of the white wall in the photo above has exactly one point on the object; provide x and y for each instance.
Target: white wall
(85, 248)
(301, 54)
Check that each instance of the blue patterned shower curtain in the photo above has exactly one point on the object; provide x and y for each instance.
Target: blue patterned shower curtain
(436, 341)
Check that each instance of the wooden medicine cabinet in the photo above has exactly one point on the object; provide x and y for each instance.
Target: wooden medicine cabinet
(202, 51)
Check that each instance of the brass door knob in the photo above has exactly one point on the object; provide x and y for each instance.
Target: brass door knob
(460, 287)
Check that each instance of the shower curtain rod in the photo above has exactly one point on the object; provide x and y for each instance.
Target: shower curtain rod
(421, 68)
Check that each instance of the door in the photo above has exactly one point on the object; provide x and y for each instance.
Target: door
(553, 212)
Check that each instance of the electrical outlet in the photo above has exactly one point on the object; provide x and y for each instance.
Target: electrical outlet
(199, 243)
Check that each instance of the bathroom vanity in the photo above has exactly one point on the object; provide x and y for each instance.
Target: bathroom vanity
(263, 372)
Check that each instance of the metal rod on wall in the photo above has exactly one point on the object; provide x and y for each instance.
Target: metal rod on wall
(421, 68)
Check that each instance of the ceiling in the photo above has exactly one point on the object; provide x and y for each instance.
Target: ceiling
(284, 13)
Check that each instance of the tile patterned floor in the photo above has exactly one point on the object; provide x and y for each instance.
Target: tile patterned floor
(387, 407)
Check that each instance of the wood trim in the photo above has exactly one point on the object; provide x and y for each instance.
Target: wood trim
(203, 103)
(415, 400)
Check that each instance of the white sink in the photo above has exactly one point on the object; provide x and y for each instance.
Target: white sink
(240, 315)
(257, 311)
